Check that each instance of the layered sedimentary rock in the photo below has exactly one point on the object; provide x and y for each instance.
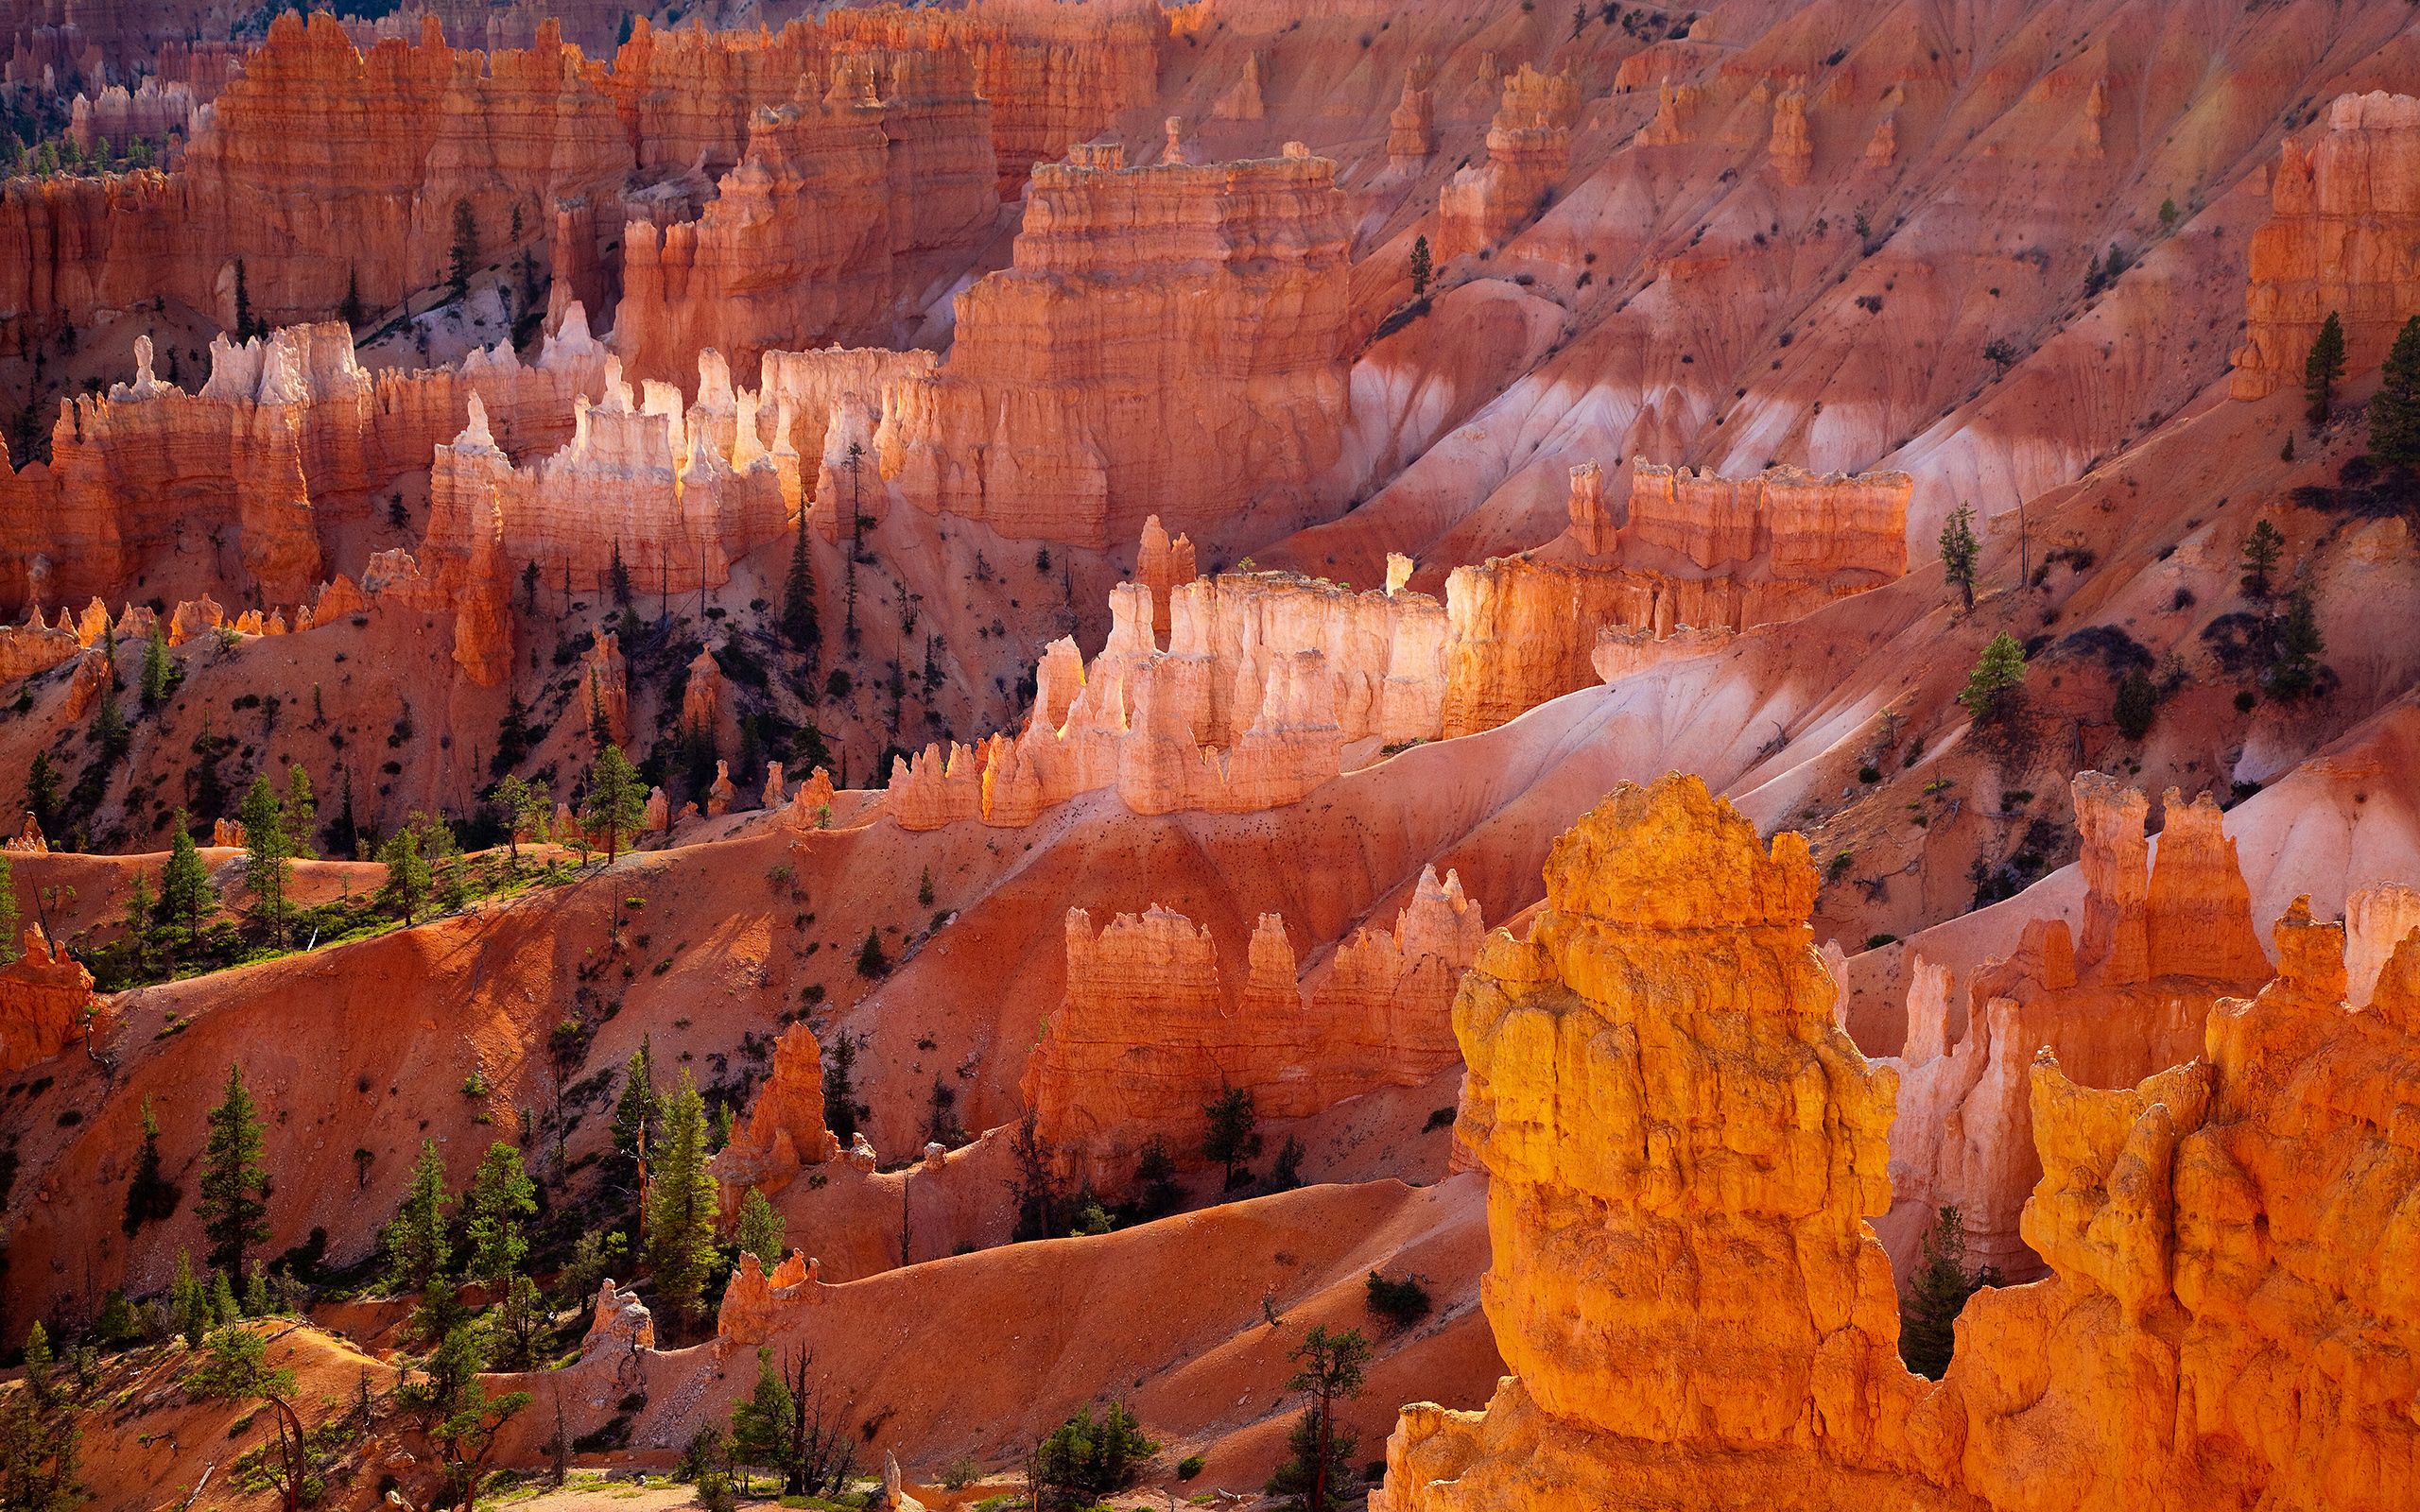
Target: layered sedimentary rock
(1791, 150)
(680, 492)
(2162, 945)
(783, 1131)
(44, 997)
(1411, 129)
(2343, 212)
(1697, 550)
(1151, 1029)
(1680, 1149)
(1528, 150)
(1170, 340)
(844, 205)
(1266, 680)
(119, 115)
(287, 440)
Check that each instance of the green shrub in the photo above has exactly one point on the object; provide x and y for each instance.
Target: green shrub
(1401, 1303)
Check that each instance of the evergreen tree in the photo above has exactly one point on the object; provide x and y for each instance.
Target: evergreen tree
(1958, 550)
(185, 883)
(762, 1426)
(134, 924)
(762, 1233)
(150, 1197)
(159, 670)
(456, 1412)
(2294, 668)
(636, 1114)
(841, 1086)
(244, 328)
(617, 800)
(2262, 549)
(42, 790)
(10, 945)
(681, 1206)
(416, 1243)
(522, 807)
(1995, 689)
(266, 868)
(37, 1361)
(799, 624)
(464, 256)
(1231, 1133)
(235, 1185)
(1420, 267)
(2394, 409)
(189, 1302)
(38, 1459)
(2322, 368)
(1088, 1458)
(1330, 1366)
(302, 812)
(501, 1196)
(407, 874)
(619, 576)
(1937, 1292)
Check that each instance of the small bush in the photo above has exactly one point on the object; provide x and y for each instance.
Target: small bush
(2137, 703)
(1438, 1118)
(1875, 942)
(1401, 1303)
(1189, 1467)
(1869, 774)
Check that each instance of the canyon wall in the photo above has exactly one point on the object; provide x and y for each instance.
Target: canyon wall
(1697, 551)
(1150, 1030)
(2343, 213)
(2163, 945)
(846, 203)
(1682, 1148)
(1170, 340)
(44, 995)
(287, 438)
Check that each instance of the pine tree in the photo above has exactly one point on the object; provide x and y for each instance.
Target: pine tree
(159, 670)
(38, 1459)
(1330, 1366)
(619, 576)
(1231, 1133)
(42, 790)
(2262, 550)
(150, 1198)
(2294, 669)
(407, 874)
(522, 807)
(189, 1302)
(1957, 550)
(245, 331)
(617, 800)
(416, 1243)
(184, 882)
(1421, 267)
(464, 256)
(799, 624)
(302, 812)
(681, 1206)
(2322, 368)
(1995, 689)
(501, 1196)
(762, 1233)
(1937, 1292)
(39, 1359)
(636, 1115)
(10, 945)
(2394, 409)
(266, 868)
(235, 1185)
(762, 1425)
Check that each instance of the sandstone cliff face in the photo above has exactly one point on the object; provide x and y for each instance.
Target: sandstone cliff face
(833, 221)
(45, 996)
(1170, 339)
(2343, 212)
(2163, 945)
(289, 440)
(1678, 1140)
(1150, 1030)
(1698, 551)
(1529, 151)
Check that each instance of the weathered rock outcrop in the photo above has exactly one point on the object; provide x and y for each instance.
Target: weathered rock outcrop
(1698, 551)
(287, 441)
(2343, 213)
(837, 216)
(783, 1131)
(1170, 339)
(1528, 150)
(1150, 1030)
(1681, 1147)
(45, 996)
(2163, 944)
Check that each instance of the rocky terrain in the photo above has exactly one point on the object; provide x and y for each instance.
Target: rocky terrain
(1093, 753)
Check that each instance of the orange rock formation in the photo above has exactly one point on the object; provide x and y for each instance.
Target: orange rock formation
(1678, 1140)
(1528, 150)
(1149, 1031)
(2341, 211)
(45, 997)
